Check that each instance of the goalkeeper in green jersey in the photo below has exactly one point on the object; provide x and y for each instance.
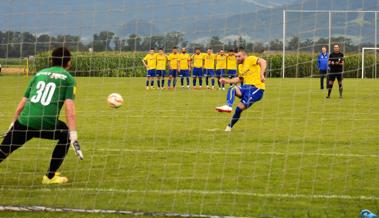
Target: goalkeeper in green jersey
(38, 111)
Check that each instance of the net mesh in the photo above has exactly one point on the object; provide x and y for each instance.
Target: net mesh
(165, 152)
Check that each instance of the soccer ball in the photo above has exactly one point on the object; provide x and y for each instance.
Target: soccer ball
(115, 100)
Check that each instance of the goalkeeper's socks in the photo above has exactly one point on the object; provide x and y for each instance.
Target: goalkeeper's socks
(194, 82)
(200, 81)
(230, 96)
(206, 81)
(236, 117)
(169, 83)
(59, 154)
(329, 91)
(213, 81)
(159, 83)
(188, 81)
(340, 89)
(162, 83)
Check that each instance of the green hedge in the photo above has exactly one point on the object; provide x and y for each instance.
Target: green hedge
(127, 64)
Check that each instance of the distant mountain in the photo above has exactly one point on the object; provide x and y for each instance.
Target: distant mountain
(86, 17)
(266, 24)
(197, 19)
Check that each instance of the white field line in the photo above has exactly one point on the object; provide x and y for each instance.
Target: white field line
(237, 152)
(160, 151)
(104, 211)
(203, 192)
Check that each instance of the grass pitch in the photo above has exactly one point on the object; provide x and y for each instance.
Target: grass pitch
(294, 154)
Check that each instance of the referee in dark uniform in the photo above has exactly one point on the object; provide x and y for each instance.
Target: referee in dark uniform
(336, 62)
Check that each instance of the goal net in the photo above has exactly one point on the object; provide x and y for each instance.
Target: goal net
(164, 152)
(305, 32)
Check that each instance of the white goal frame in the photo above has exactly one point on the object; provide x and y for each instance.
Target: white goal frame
(363, 60)
(330, 13)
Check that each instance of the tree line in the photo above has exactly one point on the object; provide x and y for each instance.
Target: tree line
(23, 44)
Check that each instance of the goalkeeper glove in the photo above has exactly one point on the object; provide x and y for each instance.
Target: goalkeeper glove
(75, 144)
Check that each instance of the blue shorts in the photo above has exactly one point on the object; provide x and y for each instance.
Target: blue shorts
(250, 94)
(232, 73)
(197, 72)
(151, 73)
(173, 73)
(160, 72)
(220, 72)
(209, 72)
(184, 73)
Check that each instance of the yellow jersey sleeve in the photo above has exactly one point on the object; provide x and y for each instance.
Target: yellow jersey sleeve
(252, 60)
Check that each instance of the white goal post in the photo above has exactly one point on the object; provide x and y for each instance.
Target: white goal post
(330, 18)
(363, 59)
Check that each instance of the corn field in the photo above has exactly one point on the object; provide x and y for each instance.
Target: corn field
(128, 64)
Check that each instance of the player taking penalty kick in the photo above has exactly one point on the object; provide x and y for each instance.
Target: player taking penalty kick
(251, 71)
(38, 112)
